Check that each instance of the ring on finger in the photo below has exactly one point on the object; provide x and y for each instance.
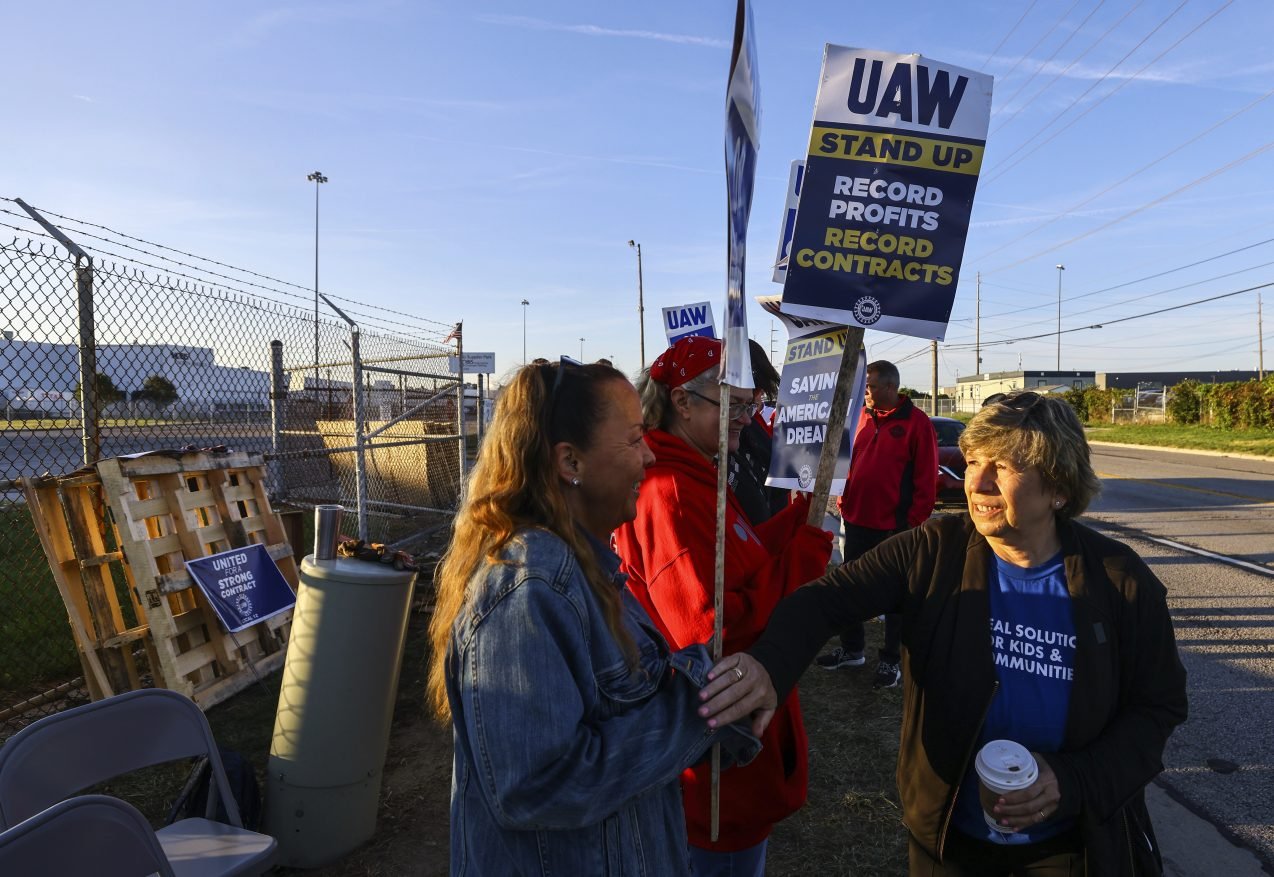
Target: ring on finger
(738, 674)
(1042, 816)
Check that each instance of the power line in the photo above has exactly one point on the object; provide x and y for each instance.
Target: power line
(1009, 100)
(1125, 179)
(1113, 322)
(1203, 179)
(1101, 39)
(1046, 35)
(1157, 275)
(1012, 30)
(1000, 171)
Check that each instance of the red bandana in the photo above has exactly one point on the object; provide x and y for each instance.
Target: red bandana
(685, 360)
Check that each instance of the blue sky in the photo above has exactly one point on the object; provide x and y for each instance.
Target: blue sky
(480, 153)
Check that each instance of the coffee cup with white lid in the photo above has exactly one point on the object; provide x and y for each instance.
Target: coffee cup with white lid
(1003, 766)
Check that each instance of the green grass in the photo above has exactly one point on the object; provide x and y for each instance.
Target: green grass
(35, 639)
(1173, 435)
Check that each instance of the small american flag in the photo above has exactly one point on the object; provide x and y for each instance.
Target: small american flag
(454, 335)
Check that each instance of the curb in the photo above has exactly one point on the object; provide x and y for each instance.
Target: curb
(1205, 453)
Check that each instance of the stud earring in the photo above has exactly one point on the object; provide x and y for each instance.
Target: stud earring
(575, 482)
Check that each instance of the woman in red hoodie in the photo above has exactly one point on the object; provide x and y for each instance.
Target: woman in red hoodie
(668, 552)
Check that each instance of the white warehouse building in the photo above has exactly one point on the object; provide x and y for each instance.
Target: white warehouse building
(41, 376)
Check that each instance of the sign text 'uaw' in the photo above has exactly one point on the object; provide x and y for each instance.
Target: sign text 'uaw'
(893, 162)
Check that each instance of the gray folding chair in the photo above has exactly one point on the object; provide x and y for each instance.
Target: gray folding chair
(66, 753)
(87, 834)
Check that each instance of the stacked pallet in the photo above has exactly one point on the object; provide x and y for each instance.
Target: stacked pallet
(117, 536)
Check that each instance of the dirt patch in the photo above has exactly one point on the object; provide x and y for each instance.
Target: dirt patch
(850, 826)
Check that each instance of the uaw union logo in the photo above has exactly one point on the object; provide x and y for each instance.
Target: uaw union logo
(243, 605)
(805, 477)
(867, 310)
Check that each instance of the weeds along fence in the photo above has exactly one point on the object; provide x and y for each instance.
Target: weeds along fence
(102, 358)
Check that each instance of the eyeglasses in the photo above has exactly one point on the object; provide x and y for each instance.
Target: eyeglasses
(736, 410)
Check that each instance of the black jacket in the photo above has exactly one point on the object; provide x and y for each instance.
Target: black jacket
(1127, 695)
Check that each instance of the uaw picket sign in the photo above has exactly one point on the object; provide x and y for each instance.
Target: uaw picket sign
(685, 320)
(242, 585)
(893, 161)
(806, 389)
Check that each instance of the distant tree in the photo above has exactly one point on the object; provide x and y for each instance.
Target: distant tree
(157, 390)
(107, 392)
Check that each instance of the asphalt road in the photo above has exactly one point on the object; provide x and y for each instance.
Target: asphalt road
(59, 451)
(1220, 504)
(1172, 507)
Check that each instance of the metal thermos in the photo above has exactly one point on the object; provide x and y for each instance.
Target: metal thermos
(327, 530)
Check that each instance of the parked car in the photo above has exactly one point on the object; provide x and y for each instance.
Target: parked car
(950, 461)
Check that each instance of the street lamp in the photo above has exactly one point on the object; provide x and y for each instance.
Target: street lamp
(641, 307)
(524, 304)
(1060, 269)
(317, 179)
(581, 350)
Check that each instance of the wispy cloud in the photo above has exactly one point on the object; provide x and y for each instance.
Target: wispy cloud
(593, 30)
(258, 27)
(639, 161)
(83, 97)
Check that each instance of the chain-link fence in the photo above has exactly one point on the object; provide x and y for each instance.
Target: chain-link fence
(1146, 404)
(178, 361)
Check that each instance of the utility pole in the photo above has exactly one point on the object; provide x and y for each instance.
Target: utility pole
(524, 304)
(977, 331)
(317, 179)
(933, 400)
(1260, 341)
(641, 307)
(1060, 269)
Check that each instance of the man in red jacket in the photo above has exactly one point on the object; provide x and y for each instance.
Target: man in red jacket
(893, 483)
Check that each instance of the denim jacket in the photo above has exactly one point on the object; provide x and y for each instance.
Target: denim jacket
(566, 758)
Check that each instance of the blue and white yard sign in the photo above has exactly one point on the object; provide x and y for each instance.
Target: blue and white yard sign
(243, 585)
(683, 321)
(893, 162)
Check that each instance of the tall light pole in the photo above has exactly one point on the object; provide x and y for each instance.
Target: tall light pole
(641, 307)
(524, 304)
(317, 179)
(1060, 269)
(581, 350)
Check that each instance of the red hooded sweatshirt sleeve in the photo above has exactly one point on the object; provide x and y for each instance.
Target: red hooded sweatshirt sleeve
(668, 553)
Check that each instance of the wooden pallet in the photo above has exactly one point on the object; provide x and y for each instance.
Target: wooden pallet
(117, 536)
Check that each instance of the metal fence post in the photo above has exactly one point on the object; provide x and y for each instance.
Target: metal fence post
(360, 436)
(464, 449)
(90, 404)
(278, 413)
(90, 407)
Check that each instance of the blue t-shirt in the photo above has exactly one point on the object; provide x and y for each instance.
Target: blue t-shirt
(1033, 647)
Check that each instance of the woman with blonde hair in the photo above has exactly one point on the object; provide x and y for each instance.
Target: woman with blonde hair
(572, 718)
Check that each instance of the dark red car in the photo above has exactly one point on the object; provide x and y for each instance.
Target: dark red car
(950, 461)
